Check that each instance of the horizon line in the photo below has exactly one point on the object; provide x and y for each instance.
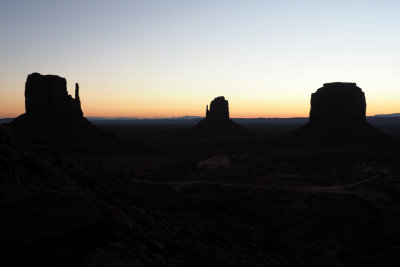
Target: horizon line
(199, 117)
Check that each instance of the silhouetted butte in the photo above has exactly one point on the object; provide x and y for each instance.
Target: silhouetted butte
(338, 111)
(217, 118)
(47, 94)
(52, 115)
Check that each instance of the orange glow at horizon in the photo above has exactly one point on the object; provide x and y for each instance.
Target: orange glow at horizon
(158, 109)
(158, 101)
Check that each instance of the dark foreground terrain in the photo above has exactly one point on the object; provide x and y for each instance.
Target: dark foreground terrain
(158, 200)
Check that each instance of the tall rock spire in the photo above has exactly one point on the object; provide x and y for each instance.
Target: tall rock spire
(77, 91)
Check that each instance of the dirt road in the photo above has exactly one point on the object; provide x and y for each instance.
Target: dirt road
(300, 188)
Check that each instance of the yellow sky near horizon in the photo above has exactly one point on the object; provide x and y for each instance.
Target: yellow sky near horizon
(102, 103)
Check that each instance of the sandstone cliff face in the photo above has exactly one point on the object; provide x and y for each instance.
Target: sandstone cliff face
(338, 103)
(47, 94)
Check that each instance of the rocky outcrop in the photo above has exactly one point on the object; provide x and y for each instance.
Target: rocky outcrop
(47, 94)
(338, 103)
(219, 108)
(217, 118)
(338, 114)
(53, 117)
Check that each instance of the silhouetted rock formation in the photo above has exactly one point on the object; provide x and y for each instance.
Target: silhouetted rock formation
(338, 103)
(338, 112)
(47, 94)
(217, 117)
(52, 115)
(219, 108)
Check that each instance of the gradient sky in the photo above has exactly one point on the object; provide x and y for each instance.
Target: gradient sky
(172, 57)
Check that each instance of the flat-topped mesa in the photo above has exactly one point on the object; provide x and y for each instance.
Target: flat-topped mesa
(338, 103)
(47, 94)
(219, 108)
(337, 115)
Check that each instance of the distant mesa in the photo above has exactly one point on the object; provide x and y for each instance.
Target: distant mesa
(52, 115)
(338, 110)
(217, 117)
